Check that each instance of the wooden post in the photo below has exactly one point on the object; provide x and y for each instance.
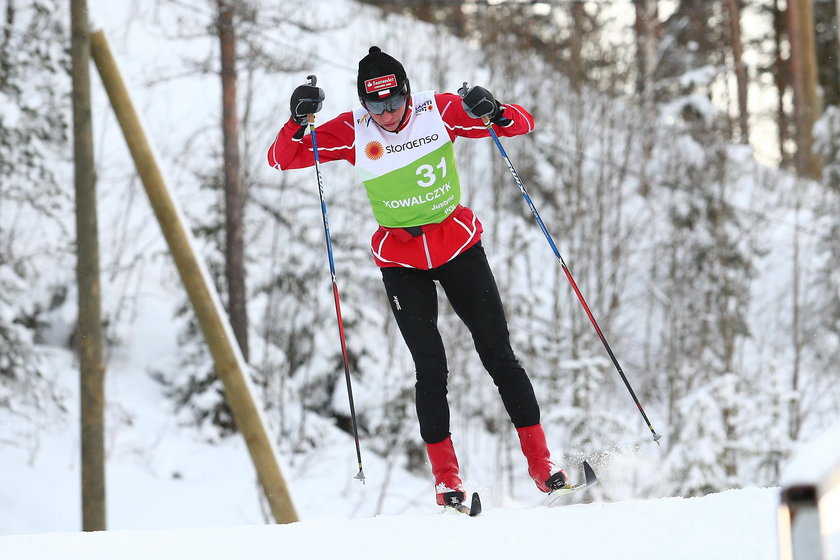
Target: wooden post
(91, 363)
(205, 301)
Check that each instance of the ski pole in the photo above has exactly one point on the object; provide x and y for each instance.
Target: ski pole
(311, 118)
(486, 120)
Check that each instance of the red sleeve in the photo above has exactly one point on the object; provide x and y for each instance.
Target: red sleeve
(459, 123)
(292, 148)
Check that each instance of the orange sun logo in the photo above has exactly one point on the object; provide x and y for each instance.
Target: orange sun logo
(374, 150)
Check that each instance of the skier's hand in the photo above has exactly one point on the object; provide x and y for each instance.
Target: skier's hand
(480, 103)
(306, 100)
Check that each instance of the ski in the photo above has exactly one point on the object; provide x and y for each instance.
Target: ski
(554, 497)
(473, 510)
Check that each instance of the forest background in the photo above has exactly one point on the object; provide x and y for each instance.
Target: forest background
(686, 159)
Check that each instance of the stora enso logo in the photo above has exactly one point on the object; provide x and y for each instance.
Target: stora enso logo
(374, 150)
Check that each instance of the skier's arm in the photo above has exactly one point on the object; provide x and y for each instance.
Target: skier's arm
(513, 121)
(292, 148)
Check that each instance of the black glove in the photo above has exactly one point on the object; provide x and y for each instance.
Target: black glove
(306, 100)
(479, 103)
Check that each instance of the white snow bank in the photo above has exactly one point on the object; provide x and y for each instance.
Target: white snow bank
(738, 524)
(817, 461)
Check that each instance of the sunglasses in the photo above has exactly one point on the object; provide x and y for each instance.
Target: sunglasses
(389, 104)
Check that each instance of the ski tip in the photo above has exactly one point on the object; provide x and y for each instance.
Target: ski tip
(589, 474)
(475, 505)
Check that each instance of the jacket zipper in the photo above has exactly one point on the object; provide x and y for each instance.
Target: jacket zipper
(426, 249)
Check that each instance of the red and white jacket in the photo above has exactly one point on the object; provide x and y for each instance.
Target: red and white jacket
(438, 243)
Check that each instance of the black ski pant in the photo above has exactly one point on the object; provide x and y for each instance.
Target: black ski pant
(471, 289)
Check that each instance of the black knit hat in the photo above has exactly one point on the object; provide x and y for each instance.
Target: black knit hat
(380, 76)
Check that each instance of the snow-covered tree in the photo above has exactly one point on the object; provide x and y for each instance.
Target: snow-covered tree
(701, 460)
(702, 275)
(35, 200)
(827, 143)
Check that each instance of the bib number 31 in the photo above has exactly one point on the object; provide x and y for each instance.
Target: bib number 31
(428, 173)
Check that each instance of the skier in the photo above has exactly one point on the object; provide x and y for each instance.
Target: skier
(400, 143)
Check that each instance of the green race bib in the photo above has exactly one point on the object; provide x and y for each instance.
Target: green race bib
(411, 177)
(424, 192)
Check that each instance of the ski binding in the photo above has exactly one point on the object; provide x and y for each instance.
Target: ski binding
(590, 480)
(457, 506)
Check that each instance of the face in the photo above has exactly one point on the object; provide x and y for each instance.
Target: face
(389, 120)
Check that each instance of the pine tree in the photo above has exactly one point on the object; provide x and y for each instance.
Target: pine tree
(821, 307)
(34, 203)
(705, 283)
(701, 461)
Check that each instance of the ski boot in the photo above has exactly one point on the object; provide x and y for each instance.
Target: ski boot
(546, 476)
(448, 487)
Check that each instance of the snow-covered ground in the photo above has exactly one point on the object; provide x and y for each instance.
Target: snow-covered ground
(737, 525)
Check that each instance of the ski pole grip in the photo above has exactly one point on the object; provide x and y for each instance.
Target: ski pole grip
(313, 80)
(462, 91)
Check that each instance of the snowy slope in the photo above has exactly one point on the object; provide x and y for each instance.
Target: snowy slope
(737, 525)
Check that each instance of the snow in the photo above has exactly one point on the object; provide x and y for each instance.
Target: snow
(815, 461)
(738, 524)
